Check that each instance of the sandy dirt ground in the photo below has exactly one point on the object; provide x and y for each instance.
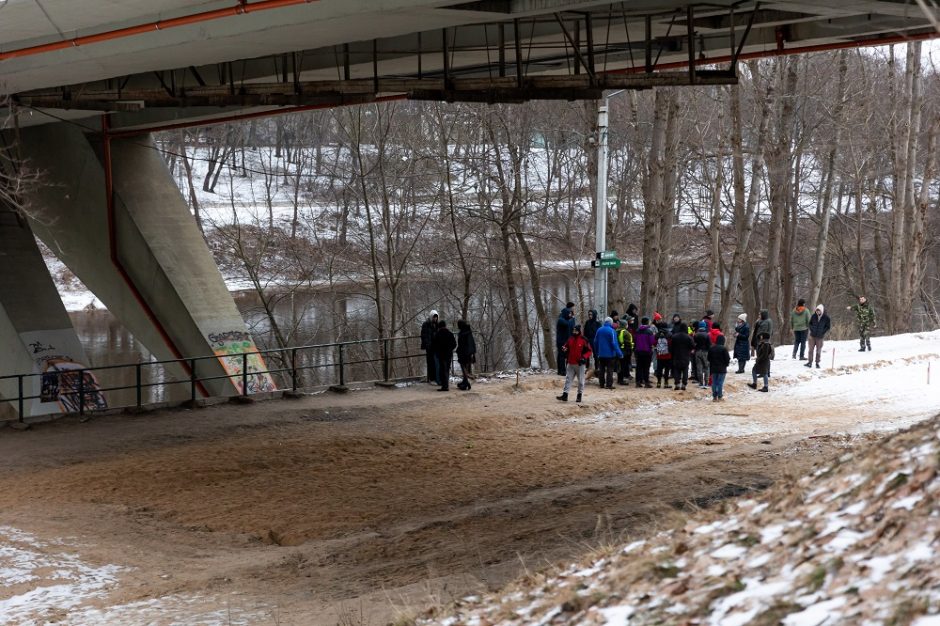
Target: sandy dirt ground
(366, 507)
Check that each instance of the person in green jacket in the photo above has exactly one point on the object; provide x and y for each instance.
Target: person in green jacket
(799, 322)
(865, 319)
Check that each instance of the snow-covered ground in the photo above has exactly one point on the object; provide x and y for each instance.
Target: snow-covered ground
(888, 387)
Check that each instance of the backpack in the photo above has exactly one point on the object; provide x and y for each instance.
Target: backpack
(662, 346)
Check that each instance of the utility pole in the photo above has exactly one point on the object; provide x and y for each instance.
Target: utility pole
(600, 233)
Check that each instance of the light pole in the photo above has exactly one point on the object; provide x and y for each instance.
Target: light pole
(600, 233)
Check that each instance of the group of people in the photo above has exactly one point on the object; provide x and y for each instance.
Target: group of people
(439, 344)
(669, 350)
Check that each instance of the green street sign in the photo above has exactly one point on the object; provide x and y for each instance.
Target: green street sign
(609, 263)
(609, 254)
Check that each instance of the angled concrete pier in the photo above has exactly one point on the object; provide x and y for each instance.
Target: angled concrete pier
(142, 255)
(36, 334)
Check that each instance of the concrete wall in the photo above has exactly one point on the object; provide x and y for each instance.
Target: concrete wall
(158, 245)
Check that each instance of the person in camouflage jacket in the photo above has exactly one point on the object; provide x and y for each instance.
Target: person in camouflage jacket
(865, 319)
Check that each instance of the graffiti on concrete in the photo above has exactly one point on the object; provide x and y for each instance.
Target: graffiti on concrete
(67, 383)
(231, 346)
(38, 346)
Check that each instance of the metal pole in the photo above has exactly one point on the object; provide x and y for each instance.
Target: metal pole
(192, 379)
(244, 373)
(81, 392)
(138, 383)
(600, 235)
(19, 397)
(342, 375)
(293, 368)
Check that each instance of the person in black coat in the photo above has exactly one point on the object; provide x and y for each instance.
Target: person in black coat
(718, 361)
(466, 353)
(428, 330)
(681, 349)
(819, 325)
(563, 328)
(633, 317)
(444, 345)
(590, 330)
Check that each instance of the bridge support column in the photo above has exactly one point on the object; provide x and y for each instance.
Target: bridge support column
(142, 254)
(36, 334)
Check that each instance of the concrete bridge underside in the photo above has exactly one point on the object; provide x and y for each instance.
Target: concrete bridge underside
(86, 81)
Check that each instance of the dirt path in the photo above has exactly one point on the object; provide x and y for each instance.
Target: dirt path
(354, 509)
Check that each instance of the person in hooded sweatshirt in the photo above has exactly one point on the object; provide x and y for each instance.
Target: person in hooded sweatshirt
(625, 340)
(682, 346)
(633, 317)
(608, 353)
(563, 328)
(643, 343)
(702, 343)
(799, 323)
(590, 330)
(466, 353)
(444, 345)
(718, 360)
(674, 324)
(819, 325)
(763, 326)
(742, 351)
(428, 330)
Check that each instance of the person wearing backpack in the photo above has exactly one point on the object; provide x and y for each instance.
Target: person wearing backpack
(764, 355)
(643, 345)
(702, 342)
(625, 340)
(663, 358)
(682, 346)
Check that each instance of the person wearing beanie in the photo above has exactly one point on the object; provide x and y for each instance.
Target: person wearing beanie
(799, 322)
(676, 320)
(428, 330)
(707, 318)
(718, 360)
(444, 345)
(819, 325)
(625, 340)
(702, 343)
(577, 354)
(742, 350)
(643, 343)
(562, 331)
(608, 353)
(663, 367)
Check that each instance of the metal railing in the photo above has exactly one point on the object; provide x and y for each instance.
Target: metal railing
(76, 389)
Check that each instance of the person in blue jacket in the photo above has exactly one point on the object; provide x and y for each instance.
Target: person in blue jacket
(608, 352)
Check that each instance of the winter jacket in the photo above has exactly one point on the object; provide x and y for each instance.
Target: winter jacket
(765, 354)
(644, 340)
(591, 326)
(577, 348)
(444, 344)
(428, 330)
(625, 339)
(819, 325)
(633, 317)
(466, 345)
(681, 347)
(718, 357)
(864, 314)
(714, 334)
(701, 341)
(799, 318)
(761, 326)
(563, 327)
(708, 322)
(742, 350)
(605, 343)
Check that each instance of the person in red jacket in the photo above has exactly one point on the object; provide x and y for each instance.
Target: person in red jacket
(577, 354)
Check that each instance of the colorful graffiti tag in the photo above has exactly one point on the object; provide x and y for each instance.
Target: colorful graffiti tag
(64, 382)
(230, 346)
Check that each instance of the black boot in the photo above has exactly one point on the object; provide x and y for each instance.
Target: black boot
(578, 399)
(563, 397)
